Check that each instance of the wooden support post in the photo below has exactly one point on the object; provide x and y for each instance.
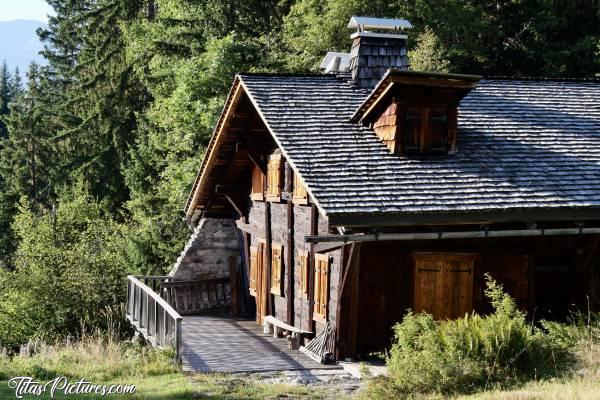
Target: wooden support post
(233, 284)
(155, 330)
(237, 208)
(178, 339)
(346, 269)
(256, 159)
(314, 227)
(268, 297)
(353, 301)
(246, 304)
(289, 264)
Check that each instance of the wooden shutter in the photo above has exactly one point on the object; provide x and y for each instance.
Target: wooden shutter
(304, 269)
(276, 269)
(253, 269)
(300, 194)
(257, 185)
(444, 284)
(274, 178)
(321, 297)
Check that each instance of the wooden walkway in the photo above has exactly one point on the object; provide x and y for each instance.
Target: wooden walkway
(225, 344)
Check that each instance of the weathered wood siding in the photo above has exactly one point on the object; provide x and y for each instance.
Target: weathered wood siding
(540, 273)
(279, 234)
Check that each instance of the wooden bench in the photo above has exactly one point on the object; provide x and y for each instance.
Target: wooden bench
(276, 327)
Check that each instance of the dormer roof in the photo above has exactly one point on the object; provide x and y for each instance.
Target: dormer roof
(459, 83)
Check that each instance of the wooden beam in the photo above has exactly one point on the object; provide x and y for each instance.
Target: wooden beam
(314, 228)
(246, 306)
(328, 247)
(215, 142)
(348, 268)
(256, 160)
(342, 317)
(290, 263)
(353, 302)
(269, 246)
(236, 207)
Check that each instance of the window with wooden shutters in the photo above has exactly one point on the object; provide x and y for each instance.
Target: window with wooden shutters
(304, 269)
(258, 190)
(426, 130)
(321, 297)
(300, 195)
(274, 178)
(276, 269)
(444, 284)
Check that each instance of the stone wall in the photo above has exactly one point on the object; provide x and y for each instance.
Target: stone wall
(207, 253)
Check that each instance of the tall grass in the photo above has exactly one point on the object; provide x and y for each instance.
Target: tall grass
(97, 357)
(476, 352)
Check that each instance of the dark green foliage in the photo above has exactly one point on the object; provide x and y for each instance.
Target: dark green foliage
(545, 38)
(5, 97)
(131, 94)
(68, 272)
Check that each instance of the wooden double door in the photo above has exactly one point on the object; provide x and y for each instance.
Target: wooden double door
(444, 284)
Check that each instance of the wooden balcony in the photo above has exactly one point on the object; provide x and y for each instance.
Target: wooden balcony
(155, 305)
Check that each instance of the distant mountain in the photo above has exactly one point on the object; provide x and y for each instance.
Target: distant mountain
(19, 44)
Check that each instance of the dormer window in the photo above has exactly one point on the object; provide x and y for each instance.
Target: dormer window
(426, 130)
(415, 112)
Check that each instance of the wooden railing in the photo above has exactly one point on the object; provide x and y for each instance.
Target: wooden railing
(190, 297)
(152, 316)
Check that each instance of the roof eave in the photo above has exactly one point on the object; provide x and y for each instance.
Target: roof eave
(554, 214)
(192, 201)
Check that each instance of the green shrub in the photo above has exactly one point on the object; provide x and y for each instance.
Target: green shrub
(464, 355)
(69, 275)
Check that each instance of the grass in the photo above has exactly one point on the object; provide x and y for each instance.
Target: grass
(106, 361)
(569, 389)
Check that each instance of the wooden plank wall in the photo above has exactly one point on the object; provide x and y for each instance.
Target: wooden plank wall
(279, 233)
(538, 272)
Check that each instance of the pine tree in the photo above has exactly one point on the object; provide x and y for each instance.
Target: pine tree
(97, 94)
(16, 85)
(24, 156)
(5, 96)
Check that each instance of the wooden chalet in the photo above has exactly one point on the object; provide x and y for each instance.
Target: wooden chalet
(341, 200)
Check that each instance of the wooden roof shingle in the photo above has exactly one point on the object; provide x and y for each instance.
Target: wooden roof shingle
(523, 146)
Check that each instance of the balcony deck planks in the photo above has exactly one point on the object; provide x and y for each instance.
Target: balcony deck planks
(230, 345)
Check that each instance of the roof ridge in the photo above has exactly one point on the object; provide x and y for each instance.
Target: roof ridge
(539, 79)
(287, 74)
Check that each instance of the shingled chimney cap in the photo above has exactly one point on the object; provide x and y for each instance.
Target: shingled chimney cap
(387, 24)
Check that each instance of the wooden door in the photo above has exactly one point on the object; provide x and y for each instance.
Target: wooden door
(261, 283)
(444, 284)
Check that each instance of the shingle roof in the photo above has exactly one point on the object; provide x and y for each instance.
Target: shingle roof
(522, 145)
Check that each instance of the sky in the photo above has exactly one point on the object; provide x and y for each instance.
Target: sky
(24, 9)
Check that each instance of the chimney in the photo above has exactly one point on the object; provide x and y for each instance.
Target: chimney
(377, 45)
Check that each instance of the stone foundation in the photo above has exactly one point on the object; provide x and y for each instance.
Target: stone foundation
(207, 253)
